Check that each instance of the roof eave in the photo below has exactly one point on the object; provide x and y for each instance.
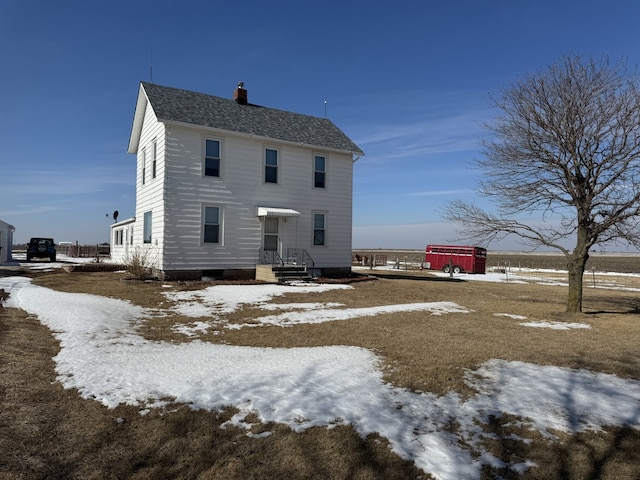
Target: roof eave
(123, 222)
(8, 225)
(168, 123)
(138, 119)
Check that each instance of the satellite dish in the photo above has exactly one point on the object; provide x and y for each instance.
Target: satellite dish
(115, 216)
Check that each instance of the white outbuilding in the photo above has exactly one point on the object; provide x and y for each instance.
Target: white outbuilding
(6, 241)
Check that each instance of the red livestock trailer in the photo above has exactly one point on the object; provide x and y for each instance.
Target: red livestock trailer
(457, 259)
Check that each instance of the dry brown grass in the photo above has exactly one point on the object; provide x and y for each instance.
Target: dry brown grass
(49, 432)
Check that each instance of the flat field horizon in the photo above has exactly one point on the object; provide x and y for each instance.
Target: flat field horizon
(619, 262)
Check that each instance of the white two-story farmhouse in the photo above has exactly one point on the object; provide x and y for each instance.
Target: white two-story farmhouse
(226, 188)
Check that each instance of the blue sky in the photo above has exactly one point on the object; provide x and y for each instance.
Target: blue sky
(408, 81)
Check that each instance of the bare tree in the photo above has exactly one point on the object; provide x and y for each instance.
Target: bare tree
(565, 147)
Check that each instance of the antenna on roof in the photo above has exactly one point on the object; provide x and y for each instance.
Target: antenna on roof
(325, 109)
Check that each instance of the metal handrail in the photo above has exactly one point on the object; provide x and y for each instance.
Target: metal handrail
(299, 256)
(295, 256)
(270, 257)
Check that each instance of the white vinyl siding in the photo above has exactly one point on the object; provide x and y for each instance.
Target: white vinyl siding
(239, 195)
(149, 196)
(121, 240)
(187, 191)
(6, 241)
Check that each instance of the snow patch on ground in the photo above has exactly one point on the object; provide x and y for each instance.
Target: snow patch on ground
(103, 356)
(556, 325)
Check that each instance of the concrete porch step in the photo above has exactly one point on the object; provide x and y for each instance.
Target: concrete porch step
(283, 274)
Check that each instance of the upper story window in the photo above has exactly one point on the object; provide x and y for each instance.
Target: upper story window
(144, 165)
(212, 158)
(211, 225)
(319, 171)
(154, 160)
(271, 165)
(319, 228)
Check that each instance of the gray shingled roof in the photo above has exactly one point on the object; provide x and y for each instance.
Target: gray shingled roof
(173, 104)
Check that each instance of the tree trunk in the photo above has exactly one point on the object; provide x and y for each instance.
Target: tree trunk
(574, 302)
(576, 265)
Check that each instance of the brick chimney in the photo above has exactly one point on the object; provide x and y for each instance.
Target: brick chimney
(240, 94)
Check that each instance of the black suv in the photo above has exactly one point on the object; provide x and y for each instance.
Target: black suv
(41, 248)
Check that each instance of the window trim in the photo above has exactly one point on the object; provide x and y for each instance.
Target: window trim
(315, 171)
(220, 224)
(265, 166)
(204, 156)
(314, 229)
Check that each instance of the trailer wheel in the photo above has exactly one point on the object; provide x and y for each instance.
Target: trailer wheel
(457, 269)
(445, 268)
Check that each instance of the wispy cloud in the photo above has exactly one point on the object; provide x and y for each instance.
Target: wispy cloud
(421, 122)
(29, 210)
(55, 182)
(421, 138)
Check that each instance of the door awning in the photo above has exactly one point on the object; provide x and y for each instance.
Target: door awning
(277, 212)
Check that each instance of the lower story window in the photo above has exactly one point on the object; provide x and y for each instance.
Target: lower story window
(319, 228)
(146, 228)
(211, 225)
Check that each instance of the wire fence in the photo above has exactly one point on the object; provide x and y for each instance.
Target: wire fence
(509, 272)
(74, 250)
(591, 278)
(84, 251)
